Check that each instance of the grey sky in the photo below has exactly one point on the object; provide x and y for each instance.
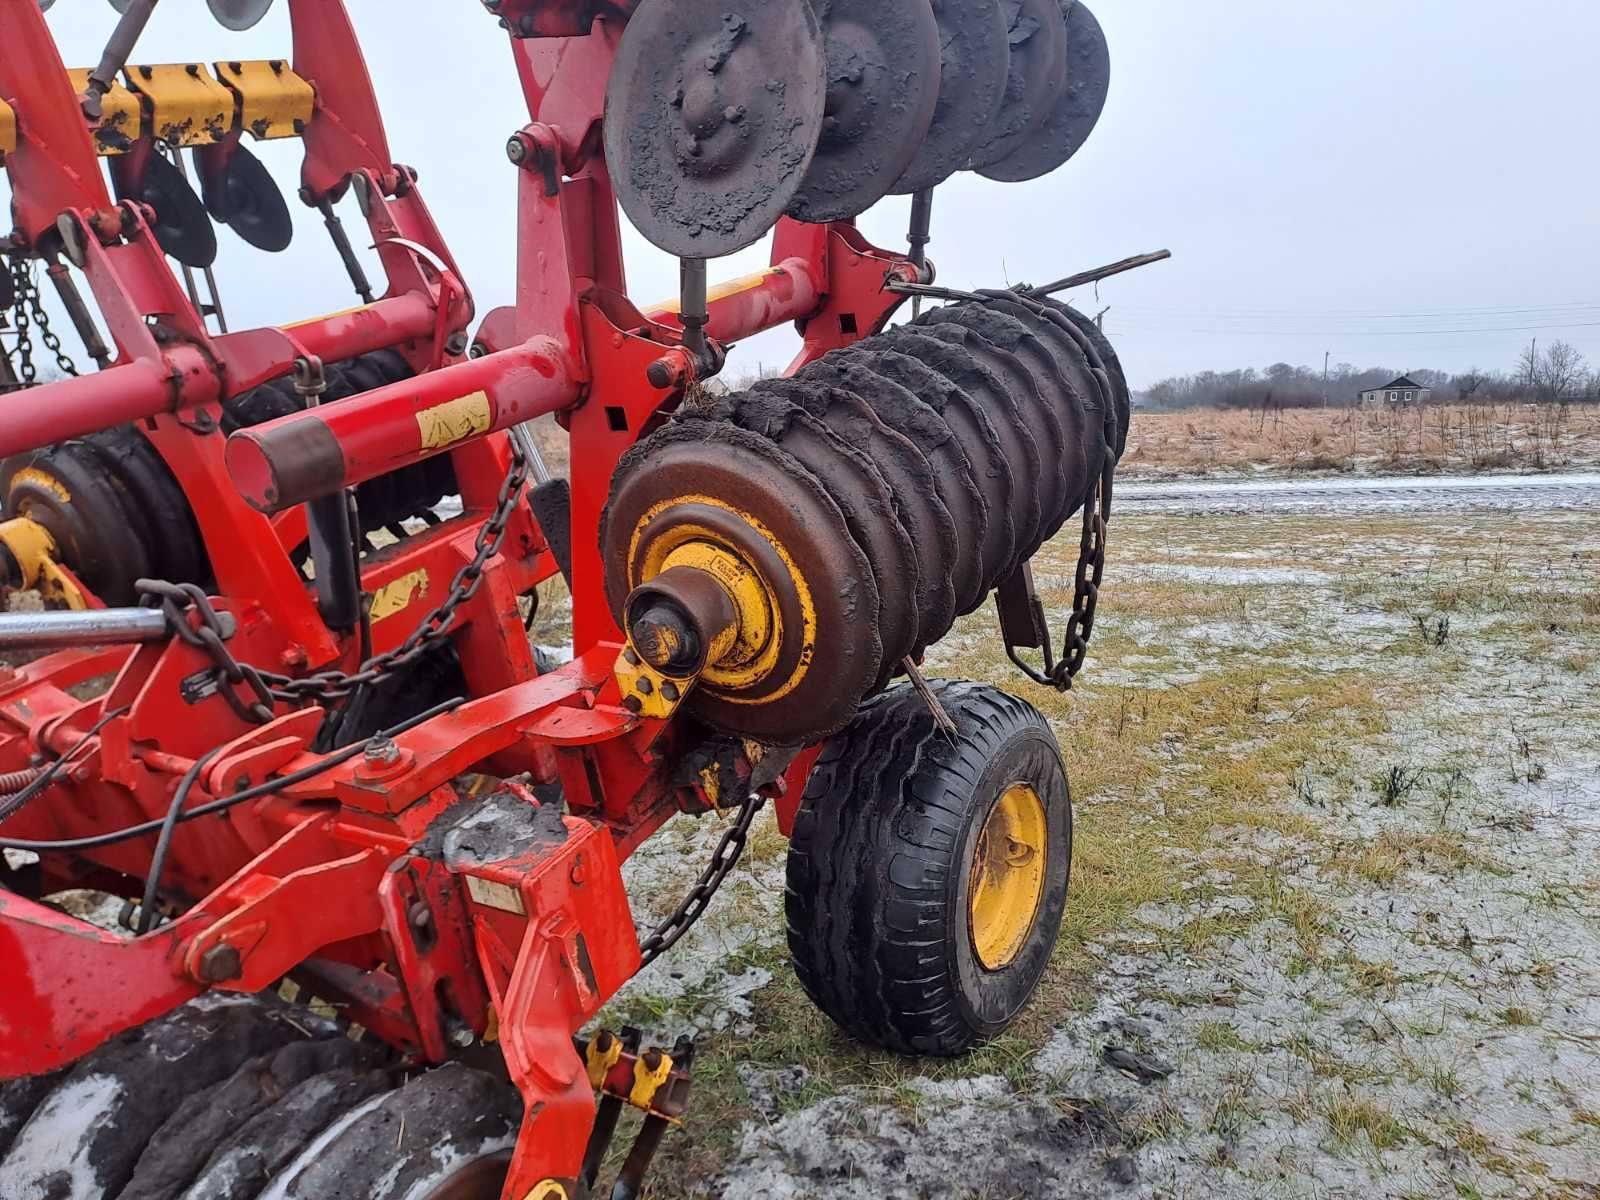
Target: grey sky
(1400, 183)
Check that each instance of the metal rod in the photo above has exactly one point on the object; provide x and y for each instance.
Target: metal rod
(214, 309)
(522, 435)
(71, 630)
(118, 49)
(72, 301)
(1099, 273)
(918, 236)
(693, 314)
(347, 253)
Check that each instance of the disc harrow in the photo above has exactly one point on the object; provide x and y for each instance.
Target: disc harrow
(719, 120)
(277, 695)
(773, 462)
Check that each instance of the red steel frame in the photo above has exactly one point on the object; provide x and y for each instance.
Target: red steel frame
(317, 881)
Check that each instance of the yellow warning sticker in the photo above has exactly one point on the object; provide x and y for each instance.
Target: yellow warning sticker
(454, 421)
(396, 596)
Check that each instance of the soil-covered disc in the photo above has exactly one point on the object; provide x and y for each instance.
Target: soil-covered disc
(713, 112)
(1036, 79)
(883, 86)
(1077, 110)
(975, 58)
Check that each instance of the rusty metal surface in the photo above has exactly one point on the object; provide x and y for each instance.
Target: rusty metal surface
(763, 492)
(1076, 111)
(1036, 80)
(974, 62)
(883, 86)
(712, 115)
(773, 410)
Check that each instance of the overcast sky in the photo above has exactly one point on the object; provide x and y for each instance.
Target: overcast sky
(1396, 182)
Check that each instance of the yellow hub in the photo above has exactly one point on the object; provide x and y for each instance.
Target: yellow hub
(1008, 873)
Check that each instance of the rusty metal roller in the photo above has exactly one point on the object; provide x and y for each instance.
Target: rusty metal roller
(775, 555)
(912, 486)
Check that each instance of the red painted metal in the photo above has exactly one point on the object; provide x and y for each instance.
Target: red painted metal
(320, 880)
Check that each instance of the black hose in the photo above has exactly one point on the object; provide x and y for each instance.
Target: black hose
(10, 805)
(158, 861)
(68, 845)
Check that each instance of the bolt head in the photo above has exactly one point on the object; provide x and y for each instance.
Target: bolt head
(220, 964)
(381, 752)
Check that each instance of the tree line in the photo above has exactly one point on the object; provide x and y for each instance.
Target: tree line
(1553, 373)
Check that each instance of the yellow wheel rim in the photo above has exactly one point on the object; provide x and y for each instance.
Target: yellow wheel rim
(1007, 877)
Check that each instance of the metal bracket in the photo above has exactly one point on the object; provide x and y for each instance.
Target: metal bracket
(274, 102)
(187, 106)
(121, 120)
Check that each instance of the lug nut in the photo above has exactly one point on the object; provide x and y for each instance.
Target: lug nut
(381, 752)
(220, 964)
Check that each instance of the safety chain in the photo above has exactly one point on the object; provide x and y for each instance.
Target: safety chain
(29, 312)
(1086, 589)
(729, 850)
(329, 686)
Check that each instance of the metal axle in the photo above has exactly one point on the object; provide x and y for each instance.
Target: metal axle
(70, 630)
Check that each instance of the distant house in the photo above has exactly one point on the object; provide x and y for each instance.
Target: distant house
(1400, 392)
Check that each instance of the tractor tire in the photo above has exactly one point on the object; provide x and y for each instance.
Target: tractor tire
(238, 1098)
(927, 880)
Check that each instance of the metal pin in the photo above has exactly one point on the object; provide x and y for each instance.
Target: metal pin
(940, 717)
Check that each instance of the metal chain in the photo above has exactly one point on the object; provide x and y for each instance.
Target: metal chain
(728, 852)
(29, 313)
(328, 686)
(1086, 589)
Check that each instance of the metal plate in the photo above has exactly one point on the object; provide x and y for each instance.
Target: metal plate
(883, 86)
(974, 61)
(1037, 76)
(1076, 112)
(238, 14)
(713, 111)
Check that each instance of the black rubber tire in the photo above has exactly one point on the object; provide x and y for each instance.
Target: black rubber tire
(880, 869)
(233, 1098)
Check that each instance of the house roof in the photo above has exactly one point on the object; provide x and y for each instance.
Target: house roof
(1405, 381)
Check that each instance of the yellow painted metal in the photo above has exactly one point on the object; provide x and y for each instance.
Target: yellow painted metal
(658, 696)
(187, 106)
(750, 661)
(1008, 872)
(8, 129)
(646, 1083)
(33, 548)
(549, 1189)
(599, 1062)
(121, 115)
(274, 102)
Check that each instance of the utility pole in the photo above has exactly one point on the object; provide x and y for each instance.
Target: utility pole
(1326, 356)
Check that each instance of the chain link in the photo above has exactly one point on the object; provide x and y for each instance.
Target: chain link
(1086, 588)
(29, 313)
(264, 687)
(728, 852)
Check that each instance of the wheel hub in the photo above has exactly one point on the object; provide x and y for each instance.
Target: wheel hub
(1008, 875)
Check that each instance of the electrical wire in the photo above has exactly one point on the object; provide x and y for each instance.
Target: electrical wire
(12, 804)
(158, 861)
(71, 845)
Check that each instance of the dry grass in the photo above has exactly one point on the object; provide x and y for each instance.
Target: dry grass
(1458, 437)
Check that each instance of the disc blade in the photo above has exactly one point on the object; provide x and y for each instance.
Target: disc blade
(252, 205)
(974, 60)
(1075, 113)
(883, 86)
(1037, 75)
(181, 226)
(712, 114)
(238, 14)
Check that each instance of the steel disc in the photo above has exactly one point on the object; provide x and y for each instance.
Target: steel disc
(713, 112)
(1036, 79)
(246, 199)
(181, 226)
(238, 14)
(974, 60)
(1075, 113)
(883, 86)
